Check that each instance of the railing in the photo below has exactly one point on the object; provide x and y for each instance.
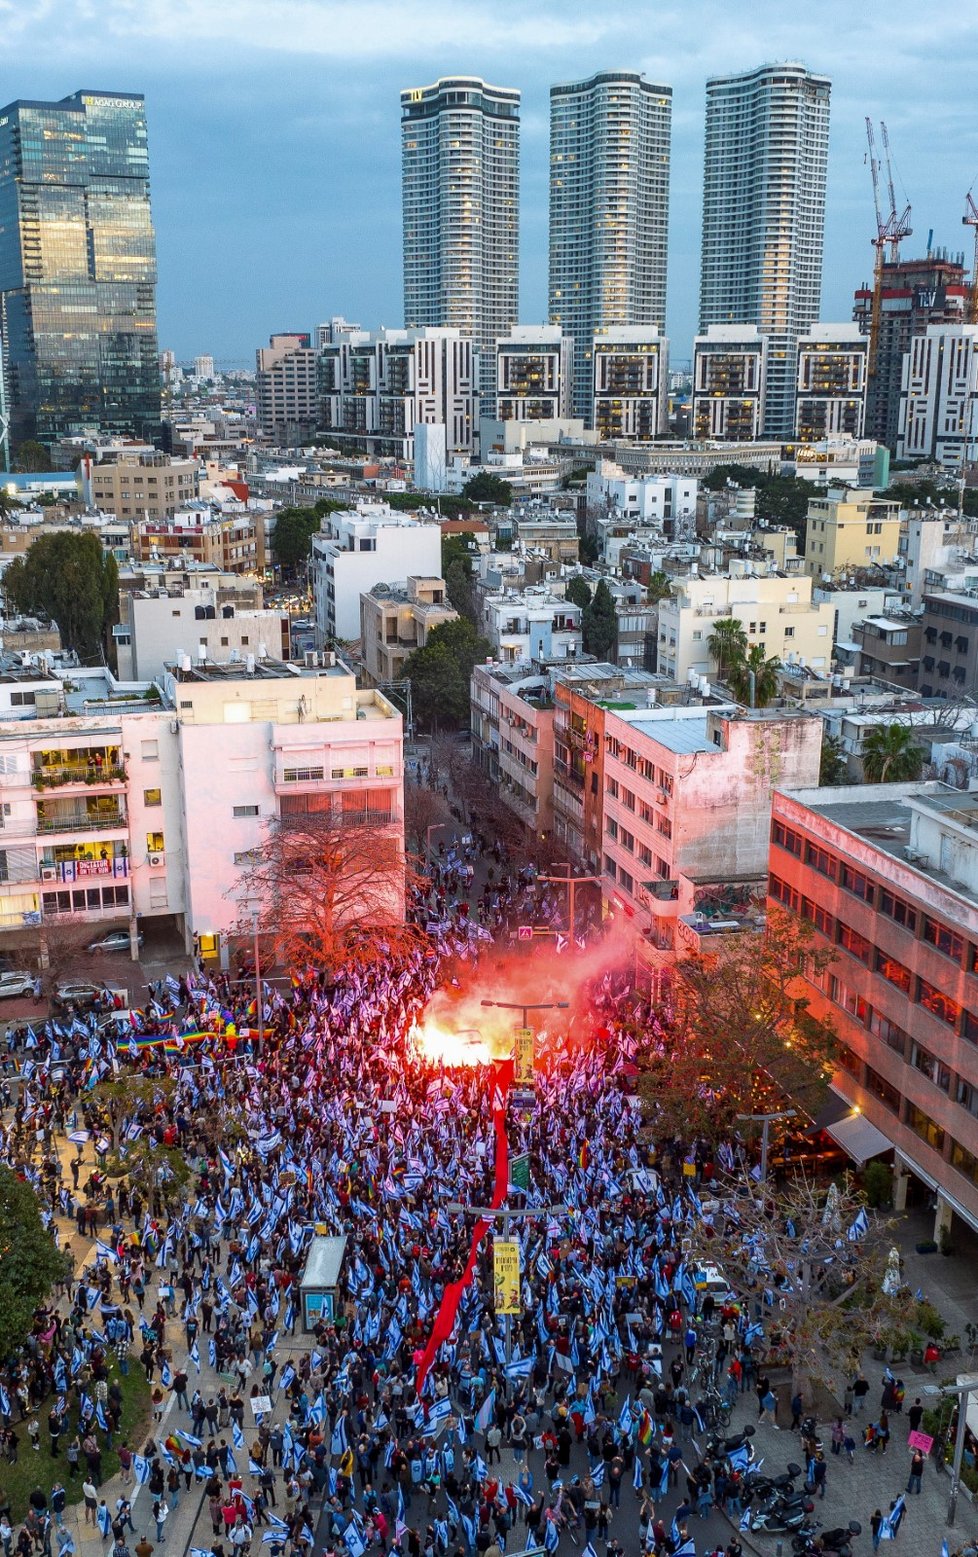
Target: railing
(56, 778)
(80, 824)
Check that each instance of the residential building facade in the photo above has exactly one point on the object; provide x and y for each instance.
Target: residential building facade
(939, 397)
(630, 383)
(532, 625)
(830, 389)
(849, 530)
(777, 614)
(889, 648)
(767, 136)
(140, 486)
(534, 368)
(376, 388)
(78, 267)
(610, 142)
(287, 388)
(358, 548)
(887, 876)
(460, 169)
(949, 647)
(164, 625)
(395, 620)
(512, 737)
(234, 542)
(729, 383)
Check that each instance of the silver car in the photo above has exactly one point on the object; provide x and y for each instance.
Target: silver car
(16, 983)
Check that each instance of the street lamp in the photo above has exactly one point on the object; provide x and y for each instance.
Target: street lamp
(962, 1389)
(517, 1005)
(765, 1121)
(433, 828)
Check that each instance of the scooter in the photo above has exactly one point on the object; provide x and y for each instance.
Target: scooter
(782, 1518)
(837, 1541)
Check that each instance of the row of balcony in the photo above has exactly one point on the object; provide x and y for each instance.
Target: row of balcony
(81, 776)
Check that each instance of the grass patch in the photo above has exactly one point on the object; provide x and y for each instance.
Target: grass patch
(39, 1470)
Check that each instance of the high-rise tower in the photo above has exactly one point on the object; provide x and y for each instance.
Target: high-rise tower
(78, 267)
(609, 211)
(460, 167)
(767, 140)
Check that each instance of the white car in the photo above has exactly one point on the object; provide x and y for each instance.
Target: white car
(14, 983)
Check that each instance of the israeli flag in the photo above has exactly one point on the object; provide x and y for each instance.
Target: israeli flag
(598, 1473)
(858, 1231)
(195, 1356)
(637, 1475)
(140, 1467)
(237, 1436)
(231, 1464)
(212, 1353)
(688, 1549)
(589, 1551)
(486, 1412)
(104, 1518)
(479, 1470)
(520, 1369)
(739, 1458)
(105, 1251)
(551, 1537)
(195, 1443)
(338, 1442)
(523, 1496)
(745, 1519)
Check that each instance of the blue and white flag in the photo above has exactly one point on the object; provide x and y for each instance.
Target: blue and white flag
(598, 1474)
(551, 1536)
(166, 1375)
(195, 1443)
(520, 1369)
(104, 1518)
(485, 1413)
(104, 1251)
(195, 1356)
(589, 1551)
(745, 1519)
(637, 1474)
(739, 1458)
(338, 1442)
(355, 1544)
(141, 1468)
(859, 1228)
(237, 1436)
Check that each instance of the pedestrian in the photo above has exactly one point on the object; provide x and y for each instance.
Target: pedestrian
(161, 1513)
(860, 1390)
(797, 1406)
(915, 1415)
(90, 1494)
(144, 1548)
(838, 1435)
(916, 1471)
(876, 1525)
(819, 1475)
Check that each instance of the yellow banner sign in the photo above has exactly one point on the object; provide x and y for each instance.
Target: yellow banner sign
(506, 1275)
(523, 1058)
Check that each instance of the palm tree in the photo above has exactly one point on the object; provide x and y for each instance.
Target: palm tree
(753, 679)
(727, 643)
(891, 755)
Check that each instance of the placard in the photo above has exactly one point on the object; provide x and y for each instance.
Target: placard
(506, 1275)
(261, 1404)
(921, 1441)
(523, 1057)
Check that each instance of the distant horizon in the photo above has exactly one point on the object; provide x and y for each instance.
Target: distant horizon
(274, 135)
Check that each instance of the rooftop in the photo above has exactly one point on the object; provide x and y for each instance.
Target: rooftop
(251, 669)
(676, 735)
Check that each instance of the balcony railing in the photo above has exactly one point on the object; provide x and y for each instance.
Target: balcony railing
(58, 778)
(103, 822)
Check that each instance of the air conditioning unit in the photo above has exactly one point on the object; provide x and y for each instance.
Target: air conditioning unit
(662, 797)
(49, 873)
(156, 859)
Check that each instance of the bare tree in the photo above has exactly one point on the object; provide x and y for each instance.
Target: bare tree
(424, 808)
(329, 886)
(816, 1260)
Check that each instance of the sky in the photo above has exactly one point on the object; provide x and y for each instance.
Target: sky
(275, 141)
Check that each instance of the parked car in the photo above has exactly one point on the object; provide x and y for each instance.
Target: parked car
(114, 941)
(89, 992)
(16, 983)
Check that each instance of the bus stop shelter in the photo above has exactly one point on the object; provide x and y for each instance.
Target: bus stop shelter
(319, 1288)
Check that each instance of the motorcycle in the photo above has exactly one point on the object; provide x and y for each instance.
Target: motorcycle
(838, 1542)
(785, 1518)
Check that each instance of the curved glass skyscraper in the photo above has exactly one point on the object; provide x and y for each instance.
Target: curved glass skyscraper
(78, 268)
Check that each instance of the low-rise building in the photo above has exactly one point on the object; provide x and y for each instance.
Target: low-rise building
(776, 612)
(667, 502)
(234, 542)
(534, 625)
(848, 530)
(396, 619)
(139, 486)
(358, 548)
(949, 651)
(887, 876)
(548, 533)
(208, 624)
(889, 648)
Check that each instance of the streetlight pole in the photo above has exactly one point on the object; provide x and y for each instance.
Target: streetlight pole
(765, 1121)
(516, 1005)
(571, 883)
(432, 828)
(259, 1002)
(962, 1389)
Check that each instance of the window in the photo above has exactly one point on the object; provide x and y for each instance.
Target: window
(626, 880)
(664, 826)
(937, 1003)
(855, 944)
(613, 788)
(818, 916)
(849, 1060)
(787, 838)
(896, 909)
(967, 1096)
(928, 1065)
(609, 867)
(302, 775)
(945, 940)
(849, 1000)
(821, 860)
(152, 797)
(921, 1124)
(969, 1027)
(893, 1036)
(611, 828)
(150, 751)
(855, 882)
(245, 811)
(880, 1088)
(645, 855)
(894, 971)
(247, 857)
(964, 1161)
(154, 843)
(626, 839)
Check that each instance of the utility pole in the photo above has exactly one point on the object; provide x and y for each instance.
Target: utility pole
(962, 1389)
(506, 1215)
(516, 1005)
(259, 1001)
(571, 883)
(765, 1121)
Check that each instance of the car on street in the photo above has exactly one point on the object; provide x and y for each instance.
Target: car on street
(85, 993)
(13, 983)
(114, 941)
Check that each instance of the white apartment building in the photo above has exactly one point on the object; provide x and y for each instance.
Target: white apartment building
(534, 372)
(776, 613)
(162, 626)
(687, 815)
(640, 500)
(287, 388)
(766, 154)
(939, 397)
(830, 388)
(729, 383)
(138, 485)
(609, 210)
(376, 387)
(460, 172)
(145, 815)
(631, 382)
(533, 625)
(358, 548)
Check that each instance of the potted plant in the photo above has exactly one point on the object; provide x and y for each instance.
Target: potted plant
(901, 1345)
(926, 1246)
(947, 1247)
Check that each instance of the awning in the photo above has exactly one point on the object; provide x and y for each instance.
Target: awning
(859, 1137)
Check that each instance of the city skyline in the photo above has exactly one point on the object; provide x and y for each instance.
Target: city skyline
(294, 133)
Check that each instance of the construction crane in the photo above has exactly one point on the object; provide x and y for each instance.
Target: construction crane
(889, 233)
(970, 219)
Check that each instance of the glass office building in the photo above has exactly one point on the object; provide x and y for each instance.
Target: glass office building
(78, 268)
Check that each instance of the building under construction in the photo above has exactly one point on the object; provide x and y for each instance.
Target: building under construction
(914, 294)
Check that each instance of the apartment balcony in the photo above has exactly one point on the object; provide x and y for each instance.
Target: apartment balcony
(81, 822)
(80, 777)
(567, 804)
(661, 891)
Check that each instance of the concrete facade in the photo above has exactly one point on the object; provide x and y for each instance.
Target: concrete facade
(396, 619)
(630, 382)
(830, 388)
(729, 383)
(358, 548)
(534, 372)
(776, 612)
(848, 530)
(139, 486)
(287, 388)
(163, 627)
(939, 397)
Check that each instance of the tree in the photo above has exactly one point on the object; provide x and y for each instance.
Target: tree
(31, 456)
(441, 672)
(487, 488)
(424, 808)
(292, 538)
(760, 691)
(600, 623)
(329, 886)
(659, 587)
(578, 591)
(68, 577)
(891, 755)
(7, 503)
(832, 767)
(456, 568)
(29, 1262)
(784, 500)
(738, 1038)
(800, 1241)
(727, 643)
